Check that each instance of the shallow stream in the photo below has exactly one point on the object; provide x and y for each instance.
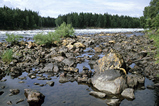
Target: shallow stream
(70, 93)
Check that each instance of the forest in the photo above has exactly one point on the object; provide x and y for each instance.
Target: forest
(13, 19)
(151, 15)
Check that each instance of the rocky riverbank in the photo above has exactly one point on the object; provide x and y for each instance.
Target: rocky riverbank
(112, 57)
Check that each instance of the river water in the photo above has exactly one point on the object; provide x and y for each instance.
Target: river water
(70, 93)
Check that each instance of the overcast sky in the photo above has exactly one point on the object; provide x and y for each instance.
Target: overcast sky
(53, 8)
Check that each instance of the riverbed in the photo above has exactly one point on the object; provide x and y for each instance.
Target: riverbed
(70, 93)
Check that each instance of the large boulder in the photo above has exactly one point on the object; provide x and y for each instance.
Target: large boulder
(111, 61)
(109, 81)
(34, 98)
(110, 74)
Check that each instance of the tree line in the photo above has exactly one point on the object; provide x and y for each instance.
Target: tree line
(83, 20)
(28, 19)
(19, 19)
(151, 15)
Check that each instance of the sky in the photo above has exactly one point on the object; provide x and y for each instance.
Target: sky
(53, 8)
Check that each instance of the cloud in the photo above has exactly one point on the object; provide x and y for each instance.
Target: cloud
(53, 8)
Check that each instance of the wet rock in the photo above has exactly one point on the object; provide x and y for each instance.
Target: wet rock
(1, 92)
(98, 94)
(4, 80)
(22, 78)
(21, 82)
(33, 77)
(34, 98)
(82, 80)
(20, 100)
(9, 102)
(113, 102)
(156, 85)
(3, 87)
(134, 80)
(128, 93)
(14, 91)
(150, 87)
(36, 84)
(51, 83)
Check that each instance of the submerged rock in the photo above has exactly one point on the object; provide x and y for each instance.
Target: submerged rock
(34, 98)
(113, 102)
(14, 91)
(98, 94)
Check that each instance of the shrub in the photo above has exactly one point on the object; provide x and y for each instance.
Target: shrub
(47, 39)
(13, 39)
(65, 30)
(7, 56)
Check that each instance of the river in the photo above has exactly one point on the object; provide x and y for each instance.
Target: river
(70, 93)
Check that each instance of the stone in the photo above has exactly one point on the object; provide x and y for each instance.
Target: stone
(82, 80)
(156, 85)
(1, 92)
(48, 67)
(31, 44)
(79, 45)
(55, 69)
(132, 81)
(51, 83)
(58, 58)
(113, 102)
(98, 94)
(9, 102)
(109, 81)
(34, 98)
(69, 62)
(98, 49)
(128, 93)
(111, 61)
(20, 100)
(70, 47)
(110, 74)
(14, 91)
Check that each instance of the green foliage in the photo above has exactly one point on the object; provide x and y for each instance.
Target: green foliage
(84, 20)
(64, 30)
(155, 37)
(46, 39)
(7, 56)
(13, 39)
(151, 15)
(19, 19)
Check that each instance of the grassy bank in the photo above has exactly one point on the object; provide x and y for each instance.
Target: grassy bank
(154, 35)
